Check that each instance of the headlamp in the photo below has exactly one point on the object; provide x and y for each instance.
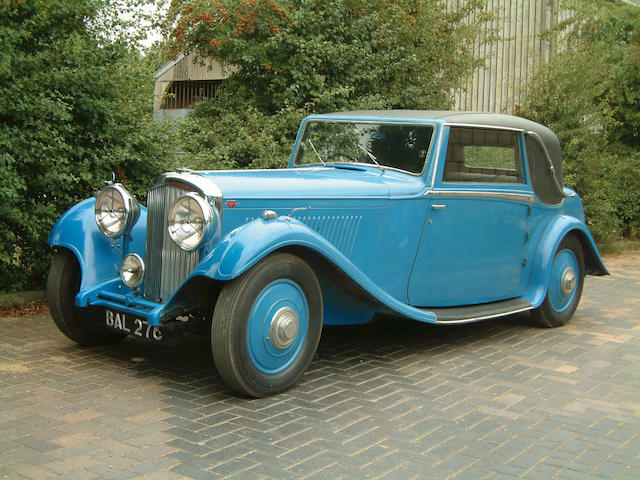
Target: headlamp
(116, 211)
(191, 221)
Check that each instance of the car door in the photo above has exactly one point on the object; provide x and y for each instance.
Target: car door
(473, 244)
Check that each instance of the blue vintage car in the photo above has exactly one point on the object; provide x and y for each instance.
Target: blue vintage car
(440, 217)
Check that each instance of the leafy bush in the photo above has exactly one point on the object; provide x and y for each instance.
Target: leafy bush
(222, 135)
(74, 107)
(590, 96)
(293, 58)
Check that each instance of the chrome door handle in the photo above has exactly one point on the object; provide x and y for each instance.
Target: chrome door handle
(438, 206)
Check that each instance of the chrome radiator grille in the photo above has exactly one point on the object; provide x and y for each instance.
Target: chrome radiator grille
(167, 265)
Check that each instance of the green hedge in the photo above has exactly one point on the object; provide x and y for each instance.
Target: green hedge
(73, 108)
(590, 95)
(295, 58)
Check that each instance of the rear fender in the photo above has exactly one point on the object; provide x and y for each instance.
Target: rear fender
(553, 235)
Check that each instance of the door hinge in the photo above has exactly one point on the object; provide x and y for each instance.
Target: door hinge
(524, 262)
(526, 237)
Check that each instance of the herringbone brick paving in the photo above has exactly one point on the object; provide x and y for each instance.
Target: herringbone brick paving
(389, 400)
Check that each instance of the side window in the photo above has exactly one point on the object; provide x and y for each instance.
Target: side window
(482, 155)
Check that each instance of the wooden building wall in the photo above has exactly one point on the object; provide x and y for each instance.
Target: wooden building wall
(183, 81)
(513, 59)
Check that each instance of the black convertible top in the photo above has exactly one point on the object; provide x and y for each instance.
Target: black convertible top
(477, 119)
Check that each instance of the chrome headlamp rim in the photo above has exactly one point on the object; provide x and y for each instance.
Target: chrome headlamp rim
(137, 279)
(208, 221)
(131, 211)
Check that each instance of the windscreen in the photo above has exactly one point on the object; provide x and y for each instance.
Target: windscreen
(400, 146)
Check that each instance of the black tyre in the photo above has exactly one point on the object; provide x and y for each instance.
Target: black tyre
(62, 286)
(266, 326)
(565, 285)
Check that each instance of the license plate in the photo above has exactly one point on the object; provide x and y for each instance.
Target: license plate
(133, 326)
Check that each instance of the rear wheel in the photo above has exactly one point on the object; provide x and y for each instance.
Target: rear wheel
(80, 325)
(565, 285)
(266, 326)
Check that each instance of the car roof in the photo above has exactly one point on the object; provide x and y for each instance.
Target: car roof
(475, 119)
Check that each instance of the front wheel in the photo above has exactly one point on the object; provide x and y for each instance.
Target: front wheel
(565, 285)
(266, 326)
(62, 286)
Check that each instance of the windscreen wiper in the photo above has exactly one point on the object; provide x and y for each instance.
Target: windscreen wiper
(316, 152)
(369, 154)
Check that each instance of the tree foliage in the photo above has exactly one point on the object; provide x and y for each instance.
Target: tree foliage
(75, 105)
(590, 95)
(291, 58)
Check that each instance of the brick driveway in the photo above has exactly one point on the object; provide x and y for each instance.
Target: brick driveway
(391, 399)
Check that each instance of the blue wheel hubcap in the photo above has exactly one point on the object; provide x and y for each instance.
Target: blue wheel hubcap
(564, 280)
(277, 327)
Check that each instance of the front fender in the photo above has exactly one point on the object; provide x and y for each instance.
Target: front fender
(553, 235)
(99, 257)
(248, 244)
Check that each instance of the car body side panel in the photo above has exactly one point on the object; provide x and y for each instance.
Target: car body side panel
(341, 308)
(471, 252)
(472, 249)
(354, 227)
(391, 264)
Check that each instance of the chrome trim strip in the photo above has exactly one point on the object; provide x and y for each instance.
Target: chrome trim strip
(436, 162)
(477, 125)
(522, 197)
(485, 317)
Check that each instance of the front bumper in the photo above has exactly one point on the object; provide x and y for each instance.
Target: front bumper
(113, 294)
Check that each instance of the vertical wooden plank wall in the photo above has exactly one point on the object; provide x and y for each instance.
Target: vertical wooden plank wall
(513, 58)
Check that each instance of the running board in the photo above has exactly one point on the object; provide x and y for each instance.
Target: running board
(473, 313)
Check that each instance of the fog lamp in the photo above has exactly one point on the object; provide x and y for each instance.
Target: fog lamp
(132, 270)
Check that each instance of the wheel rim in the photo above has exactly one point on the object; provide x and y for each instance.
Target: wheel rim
(564, 280)
(277, 327)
